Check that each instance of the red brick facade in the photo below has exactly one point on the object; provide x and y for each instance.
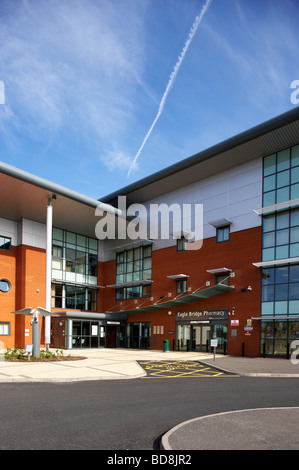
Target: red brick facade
(25, 267)
(237, 254)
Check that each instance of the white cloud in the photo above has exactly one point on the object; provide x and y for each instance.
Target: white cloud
(71, 65)
(117, 159)
(261, 49)
(172, 78)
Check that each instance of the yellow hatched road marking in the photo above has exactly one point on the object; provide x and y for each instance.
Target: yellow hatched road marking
(177, 369)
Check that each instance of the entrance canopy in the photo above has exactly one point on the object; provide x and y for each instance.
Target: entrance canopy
(73, 314)
(185, 299)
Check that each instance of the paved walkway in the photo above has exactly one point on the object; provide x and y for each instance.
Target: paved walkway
(107, 364)
(275, 428)
(258, 429)
(254, 367)
(99, 364)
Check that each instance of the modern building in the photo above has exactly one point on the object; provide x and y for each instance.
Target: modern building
(214, 253)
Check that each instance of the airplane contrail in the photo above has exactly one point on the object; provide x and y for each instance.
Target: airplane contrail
(172, 77)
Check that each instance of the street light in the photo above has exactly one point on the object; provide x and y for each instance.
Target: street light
(36, 313)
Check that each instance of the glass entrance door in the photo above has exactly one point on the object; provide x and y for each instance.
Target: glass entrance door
(183, 337)
(139, 335)
(200, 338)
(219, 331)
(205, 338)
(196, 334)
(193, 337)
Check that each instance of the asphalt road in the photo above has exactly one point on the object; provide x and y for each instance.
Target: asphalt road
(126, 414)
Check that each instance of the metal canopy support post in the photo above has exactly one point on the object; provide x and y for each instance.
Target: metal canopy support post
(48, 273)
(36, 313)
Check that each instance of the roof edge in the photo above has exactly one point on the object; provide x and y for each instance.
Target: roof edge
(56, 189)
(241, 138)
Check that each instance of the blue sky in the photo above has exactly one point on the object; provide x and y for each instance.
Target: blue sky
(84, 80)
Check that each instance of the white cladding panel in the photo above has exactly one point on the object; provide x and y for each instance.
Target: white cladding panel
(33, 234)
(233, 195)
(25, 232)
(9, 229)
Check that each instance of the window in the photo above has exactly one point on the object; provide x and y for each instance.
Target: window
(4, 328)
(222, 234)
(280, 290)
(91, 300)
(182, 244)
(134, 264)
(75, 258)
(133, 292)
(57, 295)
(5, 285)
(281, 235)
(87, 334)
(181, 286)
(5, 243)
(222, 279)
(281, 176)
(57, 257)
(74, 297)
(92, 265)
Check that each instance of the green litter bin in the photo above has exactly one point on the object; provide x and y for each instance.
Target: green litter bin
(166, 345)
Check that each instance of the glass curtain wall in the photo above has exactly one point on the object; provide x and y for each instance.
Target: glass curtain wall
(74, 271)
(134, 265)
(281, 176)
(74, 258)
(280, 243)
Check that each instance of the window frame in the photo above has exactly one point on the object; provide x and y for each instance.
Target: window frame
(123, 293)
(220, 277)
(280, 237)
(6, 240)
(75, 257)
(222, 232)
(8, 286)
(182, 244)
(279, 289)
(130, 266)
(280, 177)
(8, 323)
(90, 297)
(181, 282)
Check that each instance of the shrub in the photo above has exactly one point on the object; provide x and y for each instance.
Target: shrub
(16, 353)
(19, 353)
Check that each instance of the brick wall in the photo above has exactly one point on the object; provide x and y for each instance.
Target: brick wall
(7, 299)
(237, 254)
